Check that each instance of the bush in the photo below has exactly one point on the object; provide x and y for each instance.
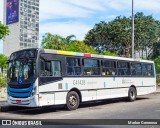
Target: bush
(158, 81)
(157, 64)
(3, 82)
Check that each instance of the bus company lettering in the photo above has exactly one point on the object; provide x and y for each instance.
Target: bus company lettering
(79, 82)
(92, 83)
(127, 81)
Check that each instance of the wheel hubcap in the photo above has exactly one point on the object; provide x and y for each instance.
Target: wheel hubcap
(72, 100)
(132, 95)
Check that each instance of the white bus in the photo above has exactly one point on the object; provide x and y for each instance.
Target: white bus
(42, 77)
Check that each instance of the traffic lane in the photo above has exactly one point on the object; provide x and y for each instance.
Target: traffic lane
(145, 107)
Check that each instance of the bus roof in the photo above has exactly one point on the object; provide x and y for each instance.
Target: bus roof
(69, 53)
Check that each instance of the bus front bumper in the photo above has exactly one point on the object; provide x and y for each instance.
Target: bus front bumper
(24, 102)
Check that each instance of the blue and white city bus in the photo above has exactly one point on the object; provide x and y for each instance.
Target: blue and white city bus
(42, 77)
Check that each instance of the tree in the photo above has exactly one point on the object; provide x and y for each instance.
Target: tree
(80, 46)
(157, 64)
(4, 30)
(115, 36)
(3, 62)
(51, 41)
(120, 32)
(69, 39)
(146, 34)
(156, 49)
(108, 53)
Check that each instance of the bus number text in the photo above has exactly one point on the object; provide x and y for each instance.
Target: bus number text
(78, 82)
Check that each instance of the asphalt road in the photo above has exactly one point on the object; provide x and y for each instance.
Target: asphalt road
(145, 107)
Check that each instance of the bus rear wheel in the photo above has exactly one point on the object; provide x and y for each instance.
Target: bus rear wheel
(132, 94)
(72, 100)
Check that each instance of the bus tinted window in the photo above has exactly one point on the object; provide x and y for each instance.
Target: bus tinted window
(123, 69)
(148, 70)
(109, 67)
(56, 68)
(73, 66)
(136, 69)
(23, 54)
(91, 67)
(50, 68)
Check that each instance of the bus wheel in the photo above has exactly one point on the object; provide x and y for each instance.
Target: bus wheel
(72, 100)
(132, 94)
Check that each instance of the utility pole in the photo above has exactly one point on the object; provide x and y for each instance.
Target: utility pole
(133, 29)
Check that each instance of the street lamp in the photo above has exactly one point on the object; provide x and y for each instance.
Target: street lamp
(133, 29)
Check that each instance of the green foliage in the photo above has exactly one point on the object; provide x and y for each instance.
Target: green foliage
(108, 53)
(50, 41)
(146, 33)
(3, 60)
(3, 82)
(157, 64)
(69, 38)
(4, 30)
(158, 81)
(156, 49)
(115, 36)
(80, 46)
(56, 42)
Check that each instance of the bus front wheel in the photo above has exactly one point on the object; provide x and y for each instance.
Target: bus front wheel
(72, 100)
(132, 94)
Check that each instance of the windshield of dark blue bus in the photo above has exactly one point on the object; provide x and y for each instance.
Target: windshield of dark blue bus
(21, 71)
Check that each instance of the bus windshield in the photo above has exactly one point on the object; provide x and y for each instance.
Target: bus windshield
(21, 71)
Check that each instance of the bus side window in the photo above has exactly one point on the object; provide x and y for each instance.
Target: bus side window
(123, 69)
(56, 68)
(50, 68)
(73, 66)
(109, 68)
(47, 71)
(91, 67)
(136, 69)
(148, 70)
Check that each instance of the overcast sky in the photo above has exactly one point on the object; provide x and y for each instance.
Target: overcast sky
(66, 17)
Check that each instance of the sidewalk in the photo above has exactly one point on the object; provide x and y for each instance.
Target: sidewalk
(3, 99)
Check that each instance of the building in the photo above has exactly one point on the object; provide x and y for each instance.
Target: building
(22, 18)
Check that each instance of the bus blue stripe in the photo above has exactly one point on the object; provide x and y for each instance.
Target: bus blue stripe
(66, 86)
(20, 90)
(19, 95)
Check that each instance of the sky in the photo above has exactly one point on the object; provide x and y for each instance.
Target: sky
(77, 17)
